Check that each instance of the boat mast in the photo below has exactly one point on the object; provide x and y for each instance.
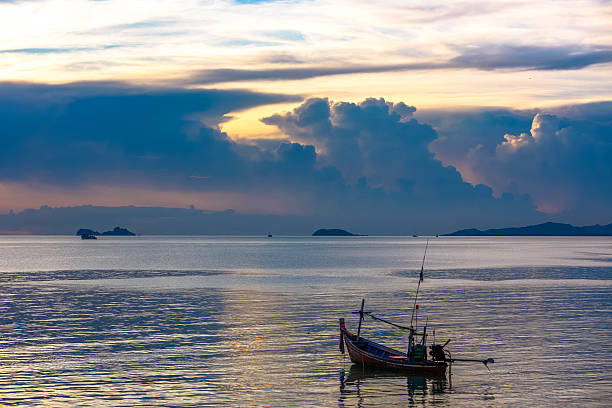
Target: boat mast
(415, 308)
(361, 317)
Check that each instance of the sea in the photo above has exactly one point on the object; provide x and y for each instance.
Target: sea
(197, 321)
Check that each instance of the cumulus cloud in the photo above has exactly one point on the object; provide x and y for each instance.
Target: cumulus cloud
(461, 130)
(381, 166)
(377, 165)
(374, 139)
(366, 165)
(382, 153)
(563, 159)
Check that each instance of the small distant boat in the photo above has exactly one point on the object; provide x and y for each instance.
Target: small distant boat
(415, 236)
(88, 236)
(269, 235)
(415, 360)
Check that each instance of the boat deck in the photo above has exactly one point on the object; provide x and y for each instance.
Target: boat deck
(379, 350)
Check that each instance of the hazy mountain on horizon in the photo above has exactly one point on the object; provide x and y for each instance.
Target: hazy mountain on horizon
(149, 221)
(545, 229)
(48, 220)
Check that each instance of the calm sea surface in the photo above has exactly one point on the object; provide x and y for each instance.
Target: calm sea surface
(252, 321)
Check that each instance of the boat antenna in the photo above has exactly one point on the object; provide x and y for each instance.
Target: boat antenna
(414, 307)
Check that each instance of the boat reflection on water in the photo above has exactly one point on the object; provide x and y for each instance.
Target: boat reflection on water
(367, 384)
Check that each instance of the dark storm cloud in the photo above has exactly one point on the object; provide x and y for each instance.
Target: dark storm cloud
(382, 153)
(461, 130)
(96, 132)
(373, 139)
(370, 164)
(374, 169)
(561, 157)
(481, 57)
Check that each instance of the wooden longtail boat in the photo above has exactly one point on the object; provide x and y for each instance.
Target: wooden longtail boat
(371, 354)
(415, 361)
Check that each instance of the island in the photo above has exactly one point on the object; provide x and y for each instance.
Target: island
(117, 231)
(87, 231)
(550, 229)
(333, 232)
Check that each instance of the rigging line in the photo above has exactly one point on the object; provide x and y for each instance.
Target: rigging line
(386, 321)
(419, 284)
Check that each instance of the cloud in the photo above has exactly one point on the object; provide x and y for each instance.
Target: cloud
(212, 76)
(56, 50)
(254, 1)
(358, 139)
(365, 165)
(288, 35)
(448, 43)
(111, 132)
(237, 42)
(505, 56)
(482, 57)
(374, 166)
(146, 24)
(382, 154)
(561, 158)
(461, 130)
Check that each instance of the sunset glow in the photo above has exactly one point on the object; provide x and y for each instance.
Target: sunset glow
(226, 84)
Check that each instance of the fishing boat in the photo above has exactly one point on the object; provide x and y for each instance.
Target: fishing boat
(368, 353)
(415, 360)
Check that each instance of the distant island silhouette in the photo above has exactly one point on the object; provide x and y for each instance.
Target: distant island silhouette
(333, 232)
(546, 229)
(117, 231)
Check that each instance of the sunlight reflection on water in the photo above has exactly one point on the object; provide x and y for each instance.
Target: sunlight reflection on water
(269, 336)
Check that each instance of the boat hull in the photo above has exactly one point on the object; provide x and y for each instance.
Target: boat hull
(373, 355)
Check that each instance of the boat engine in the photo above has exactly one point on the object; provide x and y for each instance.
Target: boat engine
(437, 352)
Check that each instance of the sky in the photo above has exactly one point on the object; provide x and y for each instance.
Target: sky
(382, 116)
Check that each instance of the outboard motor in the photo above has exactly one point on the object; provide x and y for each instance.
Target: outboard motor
(437, 352)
